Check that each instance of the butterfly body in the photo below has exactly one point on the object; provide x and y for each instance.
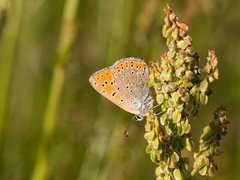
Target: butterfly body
(125, 83)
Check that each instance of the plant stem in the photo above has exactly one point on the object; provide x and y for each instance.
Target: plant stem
(8, 50)
(65, 42)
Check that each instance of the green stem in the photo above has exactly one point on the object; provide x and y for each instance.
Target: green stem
(8, 49)
(65, 42)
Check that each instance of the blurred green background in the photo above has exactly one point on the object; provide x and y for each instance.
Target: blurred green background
(52, 119)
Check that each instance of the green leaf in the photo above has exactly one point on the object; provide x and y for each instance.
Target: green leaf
(176, 116)
(189, 144)
(175, 34)
(175, 97)
(204, 86)
(203, 99)
(185, 98)
(168, 130)
(167, 177)
(175, 157)
(182, 44)
(171, 103)
(189, 75)
(163, 119)
(186, 127)
(177, 174)
(155, 143)
(194, 90)
(203, 171)
(149, 135)
(158, 171)
(160, 98)
(148, 149)
(153, 156)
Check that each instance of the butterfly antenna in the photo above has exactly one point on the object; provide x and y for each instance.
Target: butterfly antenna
(159, 113)
(126, 133)
(156, 106)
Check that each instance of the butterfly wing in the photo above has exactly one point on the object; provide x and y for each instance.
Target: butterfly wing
(125, 84)
(104, 83)
(132, 76)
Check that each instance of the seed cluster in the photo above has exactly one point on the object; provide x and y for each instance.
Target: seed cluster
(181, 86)
(210, 144)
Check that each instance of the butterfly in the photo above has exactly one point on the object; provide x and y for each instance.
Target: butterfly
(125, 83)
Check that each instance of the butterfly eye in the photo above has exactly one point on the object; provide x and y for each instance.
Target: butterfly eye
(138, 117)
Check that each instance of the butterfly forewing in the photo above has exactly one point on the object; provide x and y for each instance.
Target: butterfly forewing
(104, 83)
(125, 83)
(130, 75)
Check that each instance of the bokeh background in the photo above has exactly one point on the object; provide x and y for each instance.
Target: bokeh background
(50, 116)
